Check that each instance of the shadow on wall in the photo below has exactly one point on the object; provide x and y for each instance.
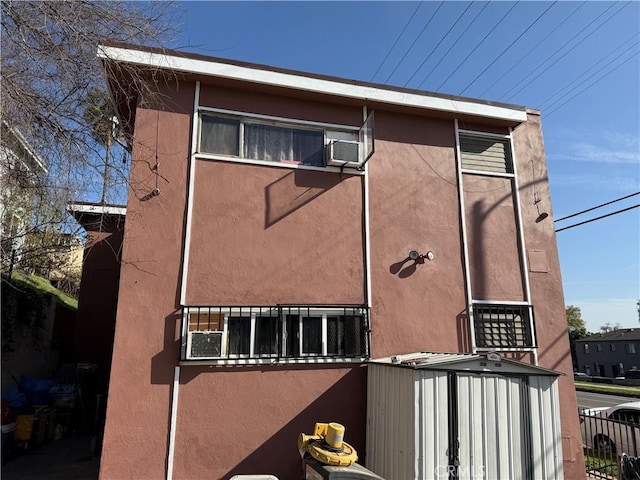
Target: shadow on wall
(163, 362)
(345, 402)
(463, 328)
(293, 191)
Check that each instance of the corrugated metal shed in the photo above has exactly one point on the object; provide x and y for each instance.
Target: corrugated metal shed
(431, 415)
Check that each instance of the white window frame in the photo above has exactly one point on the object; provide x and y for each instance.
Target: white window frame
(494, 136)
(330, 131)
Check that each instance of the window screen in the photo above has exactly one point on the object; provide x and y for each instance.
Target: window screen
(219, 135)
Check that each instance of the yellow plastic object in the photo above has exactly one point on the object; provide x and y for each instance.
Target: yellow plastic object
(327, 445)
(335, 435)
(343, 458)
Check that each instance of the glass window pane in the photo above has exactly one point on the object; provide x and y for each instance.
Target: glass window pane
(266, 342)
(335, 335)
(283, 144)
(239, 333)
(219, 135)
(293, 335)
(308, 147)
(312, 335)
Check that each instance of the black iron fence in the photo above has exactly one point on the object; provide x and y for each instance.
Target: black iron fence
(611, 443)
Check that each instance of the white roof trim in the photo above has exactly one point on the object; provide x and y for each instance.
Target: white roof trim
(101, 209)
(310, 84)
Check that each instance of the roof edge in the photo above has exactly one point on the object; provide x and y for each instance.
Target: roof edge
(263, 74)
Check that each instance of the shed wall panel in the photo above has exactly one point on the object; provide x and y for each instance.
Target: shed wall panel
(546, 433)
(432, 430)
(391, 421)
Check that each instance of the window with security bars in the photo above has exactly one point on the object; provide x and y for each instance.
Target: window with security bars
(485, 153)
(280, 332)
(503, 326)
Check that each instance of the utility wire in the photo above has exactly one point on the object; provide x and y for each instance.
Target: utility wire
(478, 45)
(414, 42)
(396, 42)
(573, 84)
(598, 218)
(508, 47)
(568, 51)
(441, 40)
(597, 206)
(455, 43)
(559, 49)
(542, 40)
(590, 85)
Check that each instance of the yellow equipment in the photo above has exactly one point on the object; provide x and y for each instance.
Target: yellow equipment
(327, 445)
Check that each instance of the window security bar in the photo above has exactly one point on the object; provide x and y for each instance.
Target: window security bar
(280, 332)
(503, 326)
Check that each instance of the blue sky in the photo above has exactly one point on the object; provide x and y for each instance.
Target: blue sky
(578, 62)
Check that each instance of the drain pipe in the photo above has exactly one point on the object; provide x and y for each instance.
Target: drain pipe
(173, 422)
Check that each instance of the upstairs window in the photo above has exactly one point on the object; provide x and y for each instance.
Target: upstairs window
(281, 141)
(484, 152)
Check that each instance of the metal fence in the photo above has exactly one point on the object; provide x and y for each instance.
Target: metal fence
(611, 444)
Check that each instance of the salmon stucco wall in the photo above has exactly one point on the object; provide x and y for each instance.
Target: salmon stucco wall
(414, 206)
(266, 235)
(146, 342)
(546, 283)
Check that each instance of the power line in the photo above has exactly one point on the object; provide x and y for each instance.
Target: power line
(521, 59)
(597, 206)
(414, 42)
(455, 43)
(568, 51)
(441, 40)
(598, 218)
(478, 45)
(396, 42)
(571, 86)
(590, 85)
(508, 47)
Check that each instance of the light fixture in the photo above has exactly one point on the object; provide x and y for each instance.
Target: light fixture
(419, 257)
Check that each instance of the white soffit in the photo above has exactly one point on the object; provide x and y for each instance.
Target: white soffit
(310, 84)
(100, 209)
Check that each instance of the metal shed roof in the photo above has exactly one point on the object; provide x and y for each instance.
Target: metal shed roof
(485, 362)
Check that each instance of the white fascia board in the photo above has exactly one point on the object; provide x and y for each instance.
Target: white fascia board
(310, 84)
(101, 209)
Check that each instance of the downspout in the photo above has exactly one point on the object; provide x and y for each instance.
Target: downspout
(523, 255)
(465, 245)
(185, 270)
(367, 241)
(174, 421)
(192, 168)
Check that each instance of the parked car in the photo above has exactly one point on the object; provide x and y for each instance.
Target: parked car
(581, 377)
(612, 430)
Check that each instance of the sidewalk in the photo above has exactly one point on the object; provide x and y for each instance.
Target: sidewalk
(66, 459)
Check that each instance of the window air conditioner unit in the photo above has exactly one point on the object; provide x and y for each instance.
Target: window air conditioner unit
(341, 153)
(204, 345)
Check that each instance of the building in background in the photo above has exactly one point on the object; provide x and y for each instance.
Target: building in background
(610, 354)
(284, 228)
(21, 171)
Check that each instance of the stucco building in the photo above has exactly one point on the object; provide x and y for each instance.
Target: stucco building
(283, 228)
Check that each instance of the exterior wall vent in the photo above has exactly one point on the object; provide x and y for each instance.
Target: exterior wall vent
(485, 154)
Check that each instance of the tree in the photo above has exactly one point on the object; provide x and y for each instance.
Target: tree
(610, 327)
(577, 330)
(50, 76)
